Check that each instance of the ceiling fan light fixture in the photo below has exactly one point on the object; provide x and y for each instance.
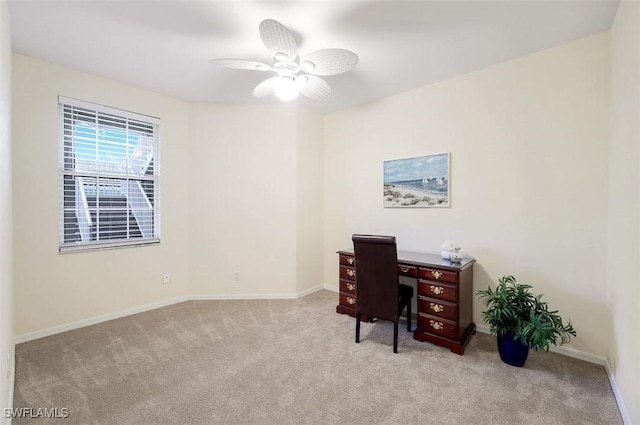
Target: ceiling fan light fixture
(286, 88)
(282, 57)
(301, 80)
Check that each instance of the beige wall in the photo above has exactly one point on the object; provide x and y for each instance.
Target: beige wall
(242, 206)
(6, 242)
(623, 274)
(241, 192)
(255, 203)
(528, 143)
(310, 204)
(53, 289)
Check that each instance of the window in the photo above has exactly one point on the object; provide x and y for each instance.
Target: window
(109, 177)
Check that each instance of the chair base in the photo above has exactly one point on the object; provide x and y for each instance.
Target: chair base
(395, 329)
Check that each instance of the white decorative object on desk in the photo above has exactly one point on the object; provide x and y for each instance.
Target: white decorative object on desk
(447, 248)
(455, 256)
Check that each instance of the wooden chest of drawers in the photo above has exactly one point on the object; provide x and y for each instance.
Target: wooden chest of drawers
(347, 300)
(444, 296)
(445, 314)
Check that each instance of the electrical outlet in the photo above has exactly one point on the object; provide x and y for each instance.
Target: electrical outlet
(165, 279)
(236, 276)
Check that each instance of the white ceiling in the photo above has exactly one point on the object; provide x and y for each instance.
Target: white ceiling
(165, 46)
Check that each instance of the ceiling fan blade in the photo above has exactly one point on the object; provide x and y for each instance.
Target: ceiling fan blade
(278, 40)
(241, 64)
(265, 88)
(329, 62)
(314, 88)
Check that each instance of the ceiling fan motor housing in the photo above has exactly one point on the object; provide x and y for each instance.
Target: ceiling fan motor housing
(286, 69)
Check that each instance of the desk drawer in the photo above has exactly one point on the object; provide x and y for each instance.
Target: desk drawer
(348, 300)
(439, 308)
(347, 260)
(348, 273)
(437, 325)
(348, 287)
(438, 275)
(407, 270)
(439, 291)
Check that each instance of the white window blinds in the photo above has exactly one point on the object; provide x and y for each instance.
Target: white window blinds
(109, 176)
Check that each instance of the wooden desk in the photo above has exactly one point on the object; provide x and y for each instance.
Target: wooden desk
(445, 295)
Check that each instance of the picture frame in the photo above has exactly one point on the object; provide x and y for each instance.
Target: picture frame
(417, 182)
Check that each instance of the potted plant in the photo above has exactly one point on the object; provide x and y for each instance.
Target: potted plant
(521, 321)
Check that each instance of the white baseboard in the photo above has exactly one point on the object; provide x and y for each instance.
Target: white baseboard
(331, 288)
(626, 419)
(97, 319)
(12, 381)
(213, 297)
(591, 358)
(577, 354)
(310, 291)
(569, 352)
(281, 296)
(127, 312)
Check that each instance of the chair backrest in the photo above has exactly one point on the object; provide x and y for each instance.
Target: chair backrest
(376, 276)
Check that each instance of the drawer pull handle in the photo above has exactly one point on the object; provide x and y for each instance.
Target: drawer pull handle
(404, 268)
(436, 307)
(350, 260)
(436, 325)
(436, 274)
(351, 273)
(351, 286)
(436, 289)
(351, 300)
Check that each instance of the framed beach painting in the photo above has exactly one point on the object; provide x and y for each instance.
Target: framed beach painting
(419, 182)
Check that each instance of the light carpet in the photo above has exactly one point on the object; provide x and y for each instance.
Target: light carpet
(292, 362)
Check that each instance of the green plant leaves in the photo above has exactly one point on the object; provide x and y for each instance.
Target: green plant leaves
(512, 308)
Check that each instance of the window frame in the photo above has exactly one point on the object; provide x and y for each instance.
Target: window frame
(64, 172)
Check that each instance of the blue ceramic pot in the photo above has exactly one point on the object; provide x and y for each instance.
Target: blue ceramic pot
(512, 351)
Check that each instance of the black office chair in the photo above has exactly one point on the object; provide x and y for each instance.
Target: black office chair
(378, 293)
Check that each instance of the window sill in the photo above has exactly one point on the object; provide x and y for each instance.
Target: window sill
(67, 249)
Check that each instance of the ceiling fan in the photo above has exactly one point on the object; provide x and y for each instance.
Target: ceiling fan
(295, 75)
